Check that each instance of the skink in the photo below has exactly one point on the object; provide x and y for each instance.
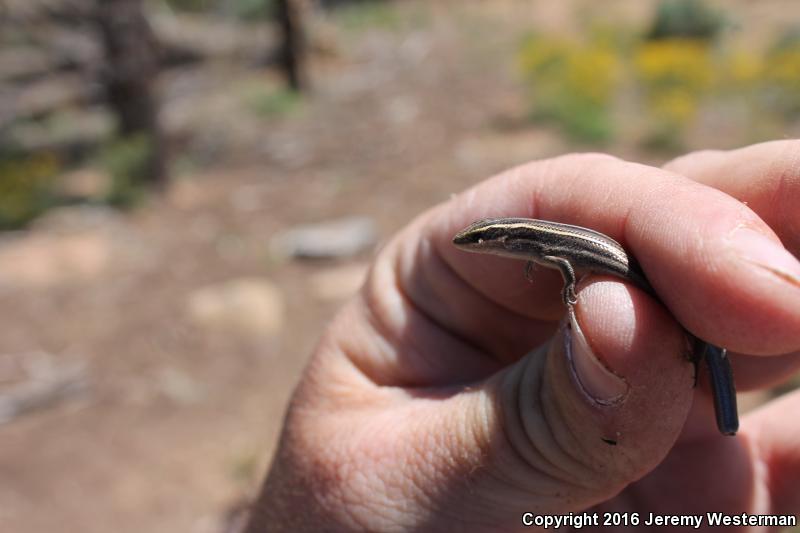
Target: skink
(569, 249)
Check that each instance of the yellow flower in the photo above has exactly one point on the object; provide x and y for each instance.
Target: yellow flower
(744, 67)
(587, 71)
(675, 62)
(783, 67)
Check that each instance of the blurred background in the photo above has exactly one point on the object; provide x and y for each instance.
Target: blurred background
(190, 188)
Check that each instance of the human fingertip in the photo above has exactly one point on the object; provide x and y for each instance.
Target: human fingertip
(758, 249)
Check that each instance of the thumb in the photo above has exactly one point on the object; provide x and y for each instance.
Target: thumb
(593, 410)
(563, 428)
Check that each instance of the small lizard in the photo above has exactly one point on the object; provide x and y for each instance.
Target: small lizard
(569, 248)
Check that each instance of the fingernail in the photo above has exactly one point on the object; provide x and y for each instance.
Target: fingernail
(762, 251)
(597, 381)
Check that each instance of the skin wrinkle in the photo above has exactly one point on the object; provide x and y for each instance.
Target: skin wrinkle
(610, 198)
(345, 391)
(550, 173)
(572, 479)
(433, 252)
(788, 181)
(488, 301)
(359, 363)
(576, 461)
(576, 442)
(568, 450)
(382, 331)
(481, 430)
(488, 297)
(482, 471)
(423, 313)
(558, 406)
(782, 178)
(654, 197)
(480, 434)
(784, 173)
(506, 481)
(473, 341)
(514, 445)
(506, 413)
(625, 227)
(534, 192)
(775, 272)
(538, 444)
(456, 470)
(586, 170)
(541, 441)
(391, 334)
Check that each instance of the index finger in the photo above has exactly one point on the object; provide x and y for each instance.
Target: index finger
(713, 262)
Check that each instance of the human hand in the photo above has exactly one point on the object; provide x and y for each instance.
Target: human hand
(424, 407)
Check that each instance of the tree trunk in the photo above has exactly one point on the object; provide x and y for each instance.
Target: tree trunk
(131, 54)
(290, 15)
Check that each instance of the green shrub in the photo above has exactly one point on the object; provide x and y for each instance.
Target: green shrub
(781, 74)
(674, 76)
(669, 86)
(686, 19)
(241, 9)
(365, 14)
(126, 160)
(190, 5)
(572, 85)
(26, 183)
(269, 102)
(252, 9)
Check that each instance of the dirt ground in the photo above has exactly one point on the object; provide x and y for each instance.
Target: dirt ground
(180, 418)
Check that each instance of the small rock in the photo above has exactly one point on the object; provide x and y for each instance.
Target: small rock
(179, 386)
(338, 283)
(41, 380)
(250, 306)
(335, 238)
